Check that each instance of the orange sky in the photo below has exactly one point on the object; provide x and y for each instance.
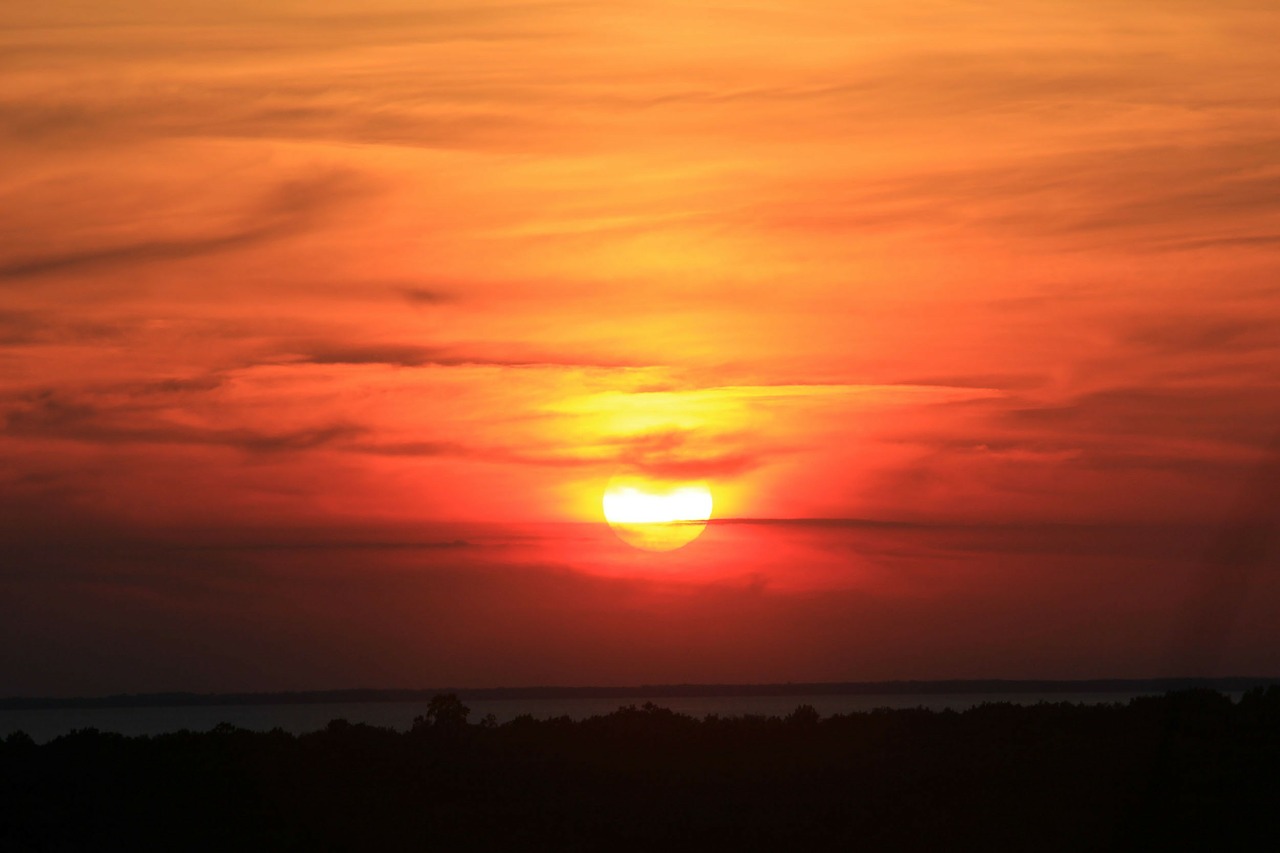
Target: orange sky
(323, 326)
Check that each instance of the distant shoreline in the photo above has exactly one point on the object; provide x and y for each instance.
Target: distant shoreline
(646, 691)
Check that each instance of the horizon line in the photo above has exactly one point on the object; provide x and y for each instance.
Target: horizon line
(1011, 686)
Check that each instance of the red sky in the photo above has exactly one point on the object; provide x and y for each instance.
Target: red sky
(323, 326)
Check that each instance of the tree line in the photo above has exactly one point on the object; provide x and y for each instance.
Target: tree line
(1188, 770)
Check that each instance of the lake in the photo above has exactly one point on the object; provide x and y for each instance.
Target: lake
(45, 725)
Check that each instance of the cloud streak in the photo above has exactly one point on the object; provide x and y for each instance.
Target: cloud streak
(290, 208)
(414, 355)
(48, 415)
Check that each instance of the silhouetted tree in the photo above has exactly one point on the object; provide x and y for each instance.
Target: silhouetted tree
(443, 711)
(803, 715)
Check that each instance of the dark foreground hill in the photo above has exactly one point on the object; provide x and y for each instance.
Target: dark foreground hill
(1187, 771)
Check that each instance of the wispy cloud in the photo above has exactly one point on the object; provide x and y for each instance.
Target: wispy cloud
(52, 416)
(291, 207)
(414, 355)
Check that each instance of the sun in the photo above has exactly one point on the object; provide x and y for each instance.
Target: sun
(656, 515)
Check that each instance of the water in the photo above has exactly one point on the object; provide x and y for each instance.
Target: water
(45, 725)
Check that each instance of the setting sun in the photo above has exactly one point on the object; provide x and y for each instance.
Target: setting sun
(656, 516)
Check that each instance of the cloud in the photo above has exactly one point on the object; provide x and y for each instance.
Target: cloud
(194, 384)
(425, 296)
(666, 454)
(830, 523)
(688, 454)
(415, 355)
(1233, 415)
(418, 448)
(35, 328)
(1002, 381)
(292, 110)
(1154, 197)
(938, 538)
(18, 328)
(663, 467)
(1203, 334)
(1132, 194)
(402, 355)
(52, 415)
(668, 397)
(291, 207)
(1263, 241)
(201, 30)
(135, 253)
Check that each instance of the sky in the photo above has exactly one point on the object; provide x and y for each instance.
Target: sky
(324, 325)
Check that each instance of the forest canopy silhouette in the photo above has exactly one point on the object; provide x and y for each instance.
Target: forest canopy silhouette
(1191, 770)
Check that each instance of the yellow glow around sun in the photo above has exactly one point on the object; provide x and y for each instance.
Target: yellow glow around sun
(656, 516)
